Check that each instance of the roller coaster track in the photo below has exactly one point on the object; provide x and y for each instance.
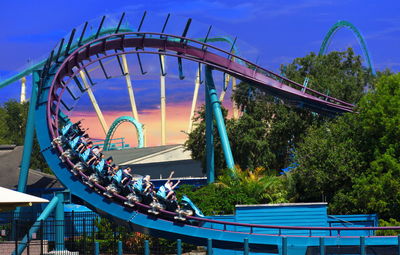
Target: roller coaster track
(57, 75)
(345, 24)
(107, 31)
(118, 121)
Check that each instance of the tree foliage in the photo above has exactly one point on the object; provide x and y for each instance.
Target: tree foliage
(269, 130)
(13, 117)
(250, 186)
(340, 74)
(354, 160)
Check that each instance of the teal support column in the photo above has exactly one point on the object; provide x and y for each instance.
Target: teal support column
(362, 245)
(246, 246)
(284, 246)
(219, 119)
(209, 140)
(398, 244)
(209, 247)
(59, 216)
(321, 246)
(119, 247)
(96, 248)
(146, 247)
(29, 134)
(178, 247)
(43, 216)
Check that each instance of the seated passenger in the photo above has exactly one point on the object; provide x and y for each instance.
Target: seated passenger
(126, 176)
(82, 143)
(108, 165)
(170, 186)
(114, 169)
(95, 154)
(148, 186)
(75, 130)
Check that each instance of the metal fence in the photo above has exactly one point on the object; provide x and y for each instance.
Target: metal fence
(84, 233)
(87, 233)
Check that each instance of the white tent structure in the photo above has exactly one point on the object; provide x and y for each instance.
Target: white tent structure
(10, 199)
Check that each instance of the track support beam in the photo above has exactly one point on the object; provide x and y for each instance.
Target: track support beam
(94, 102)
(29, 134)
(215, 104)
(194, 101)
(129, 86)
(163, 101)
(43, 216)
(209, 140)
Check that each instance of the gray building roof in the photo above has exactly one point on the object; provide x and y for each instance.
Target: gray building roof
(158, 161)
(10, 159)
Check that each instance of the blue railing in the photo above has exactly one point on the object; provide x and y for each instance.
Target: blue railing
(116, 143)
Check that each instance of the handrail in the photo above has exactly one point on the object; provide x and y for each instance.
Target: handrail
(110, 30)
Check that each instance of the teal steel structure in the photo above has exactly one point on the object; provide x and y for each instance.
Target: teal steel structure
(117, 122)
(57, 205)
(29, 135)
(345, 24)
(216, 112)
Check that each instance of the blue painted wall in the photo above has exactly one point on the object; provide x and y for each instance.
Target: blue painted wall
(358, 220)
(307, 214)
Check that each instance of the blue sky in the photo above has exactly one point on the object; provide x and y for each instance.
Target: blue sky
(274, 32)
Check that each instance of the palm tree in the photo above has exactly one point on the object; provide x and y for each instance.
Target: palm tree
(255, 183)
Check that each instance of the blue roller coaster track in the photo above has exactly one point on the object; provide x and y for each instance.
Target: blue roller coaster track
(117, 122)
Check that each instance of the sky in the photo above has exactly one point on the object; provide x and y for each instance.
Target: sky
(270, 33)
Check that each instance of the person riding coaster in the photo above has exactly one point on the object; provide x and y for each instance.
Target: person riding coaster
(60, 140)
(103, 173)
(82, 164)
(119, 181)
(70, 150)
(69, 132)
(141, 191)
(135, 188)
(165, 198)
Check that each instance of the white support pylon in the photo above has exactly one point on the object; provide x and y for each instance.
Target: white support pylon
(130, 89)
(94, 102)
(223, 92)
(23, 90)
(194, 101)
(163, 102)
(234, 106)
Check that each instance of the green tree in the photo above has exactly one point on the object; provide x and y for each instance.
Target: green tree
(13, 117)
(354, 160)
(196, 141)
(269, 130)
(328, 161)
(250, 186)
(339, 74)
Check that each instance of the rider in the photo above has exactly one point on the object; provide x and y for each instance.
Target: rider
(83, 141)
(170, 186)
(148, 186)
(126, 176)
(107, 166)
(95, 153)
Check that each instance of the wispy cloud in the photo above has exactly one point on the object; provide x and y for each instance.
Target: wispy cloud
(386, 33)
